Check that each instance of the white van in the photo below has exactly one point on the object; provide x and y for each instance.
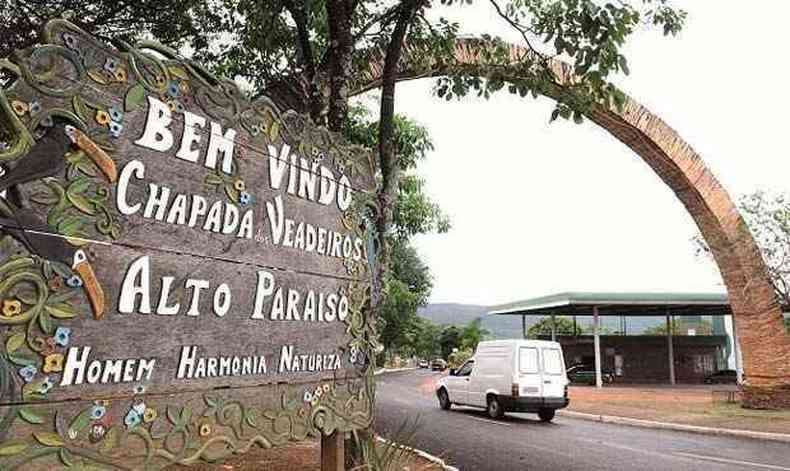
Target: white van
(509, 376)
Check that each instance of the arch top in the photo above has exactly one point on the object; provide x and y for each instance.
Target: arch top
(758, 316)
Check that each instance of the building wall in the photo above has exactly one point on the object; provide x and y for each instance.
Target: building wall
(645, 358)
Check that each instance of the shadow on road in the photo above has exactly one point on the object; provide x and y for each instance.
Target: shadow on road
(508, 419)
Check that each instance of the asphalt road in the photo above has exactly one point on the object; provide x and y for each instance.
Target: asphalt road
(469, 440)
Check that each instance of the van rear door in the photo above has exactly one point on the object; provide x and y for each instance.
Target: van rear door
(553, 372)
(529, 377)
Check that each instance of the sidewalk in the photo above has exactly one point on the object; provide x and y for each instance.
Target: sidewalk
(694, 406)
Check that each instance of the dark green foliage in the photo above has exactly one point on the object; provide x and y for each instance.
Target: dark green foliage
(563, 326)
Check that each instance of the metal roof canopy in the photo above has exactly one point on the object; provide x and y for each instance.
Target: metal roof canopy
(620, 304)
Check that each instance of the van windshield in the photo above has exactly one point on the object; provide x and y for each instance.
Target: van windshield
(528, 360)
(552, 361)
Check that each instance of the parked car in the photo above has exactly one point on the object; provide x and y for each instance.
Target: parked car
(438, 365)
(722, 377)
(423, 364)
(586, 374)
(509, 376)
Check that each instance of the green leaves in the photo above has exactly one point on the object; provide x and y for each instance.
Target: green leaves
(61, 310)
(134, 97)
(29, 416)
(48, 439)
(12, 447)
(14, 342)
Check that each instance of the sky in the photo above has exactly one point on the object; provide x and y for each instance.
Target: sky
(539, 208)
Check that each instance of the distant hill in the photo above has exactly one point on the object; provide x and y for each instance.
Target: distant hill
(501, 327)
(452, 313)
(509, 327)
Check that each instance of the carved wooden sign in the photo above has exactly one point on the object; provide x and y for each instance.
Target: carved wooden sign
(184, 273)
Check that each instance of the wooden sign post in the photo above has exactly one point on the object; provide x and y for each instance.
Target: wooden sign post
(184, 274)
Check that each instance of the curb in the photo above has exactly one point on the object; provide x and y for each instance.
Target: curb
(392, 370)
(424, 455)
(725, 432)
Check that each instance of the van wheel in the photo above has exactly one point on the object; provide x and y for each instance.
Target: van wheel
(546, 415)
(494, 408)
(444, 399)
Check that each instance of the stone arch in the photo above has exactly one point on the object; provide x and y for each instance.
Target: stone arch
(757, 314)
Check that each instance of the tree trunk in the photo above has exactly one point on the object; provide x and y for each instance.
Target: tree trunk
(341, 45)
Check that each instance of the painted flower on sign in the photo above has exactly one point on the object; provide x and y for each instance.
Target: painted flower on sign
(115, 114)
(111, 64)
(102, 117)
(116, 129)
(98, 411)
(53, 363)
(46, 386)
(149, 415)
(19, 107)
(120, 74)
(173, 89)
(28, 373)
(132, 419)
(56, 283)
(97, 432)
(205, 429)
(62, 336)
(244, 198)
(11, 307)
(74, 281)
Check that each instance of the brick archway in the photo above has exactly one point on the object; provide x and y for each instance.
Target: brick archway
(757, 315)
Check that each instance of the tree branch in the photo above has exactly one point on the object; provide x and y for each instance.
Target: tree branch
(301, 19)
(341, 46)
(390, 171)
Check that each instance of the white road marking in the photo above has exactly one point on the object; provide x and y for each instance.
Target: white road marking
(494, 422)
(729, 461)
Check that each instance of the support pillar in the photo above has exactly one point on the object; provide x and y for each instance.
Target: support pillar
(670, 349)
(524, 325)
(736, 350)
(553, 328)
(332, 455)
(597, 346)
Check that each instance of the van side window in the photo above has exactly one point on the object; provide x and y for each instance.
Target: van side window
(466, 370)
(528, 360)
(552, 361)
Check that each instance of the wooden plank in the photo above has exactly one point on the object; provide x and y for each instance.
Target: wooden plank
(153, 431)
(142, 327)
(195, 323)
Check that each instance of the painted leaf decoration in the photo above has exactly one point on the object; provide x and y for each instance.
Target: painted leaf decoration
(12, 447)
(70, 226)
(45, 322)
(212, 179)
(61, 310)
(178, 72)
(23, 359)
(65, 457)
(274, 131)
(27, 297)
(14, 342)
(134, 97)
(82, 203)
(49, 439)
(98, 77)
(80, 421)
(30, 417)
(60, 297)
(79, 107)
